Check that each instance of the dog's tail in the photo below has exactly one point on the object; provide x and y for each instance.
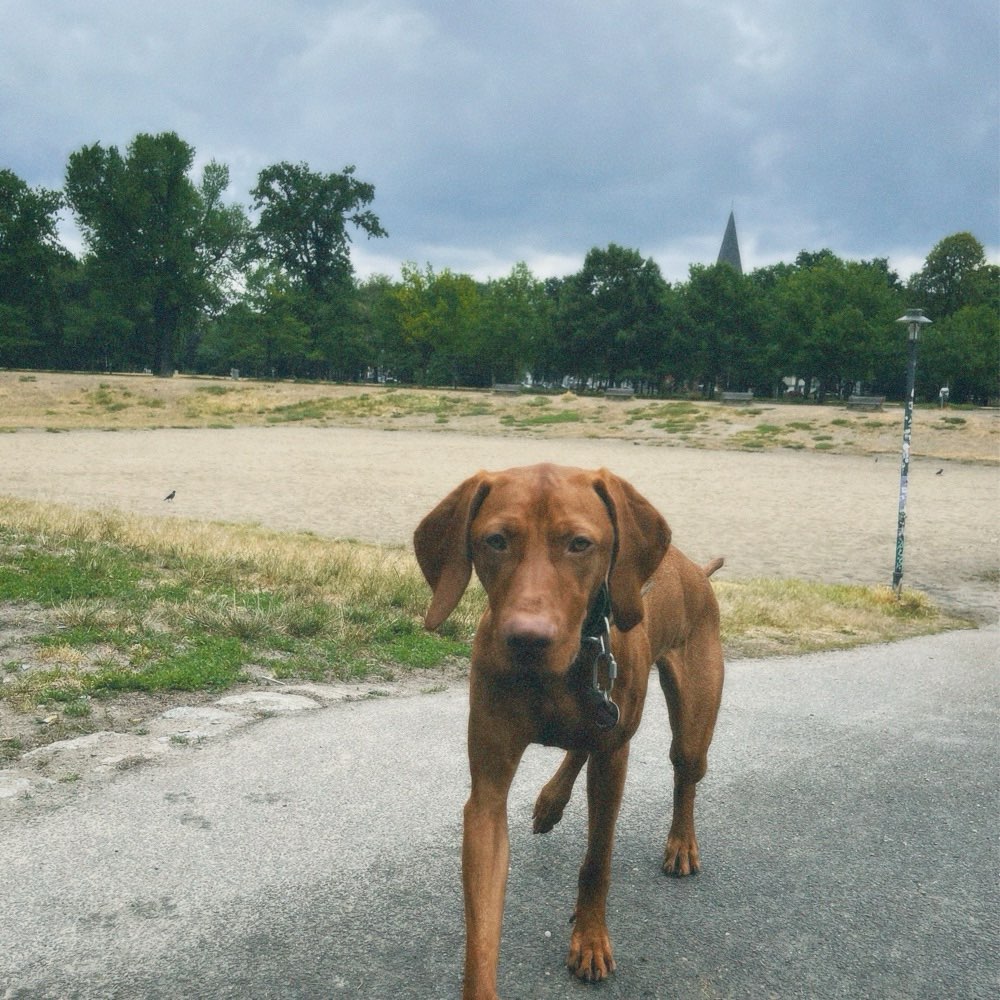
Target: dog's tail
(716, 563)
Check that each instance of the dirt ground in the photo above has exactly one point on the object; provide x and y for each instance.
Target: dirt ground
(779, 513)
(780, 490)
(370, 472)
(58, 402)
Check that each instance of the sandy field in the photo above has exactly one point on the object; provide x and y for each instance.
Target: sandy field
(814, 515)
(60, 401)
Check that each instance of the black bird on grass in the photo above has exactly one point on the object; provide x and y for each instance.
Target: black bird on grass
(170, 495)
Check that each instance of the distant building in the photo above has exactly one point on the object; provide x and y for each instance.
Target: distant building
(729, 252)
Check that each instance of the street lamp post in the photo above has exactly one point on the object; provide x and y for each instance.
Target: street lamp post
(914, 320)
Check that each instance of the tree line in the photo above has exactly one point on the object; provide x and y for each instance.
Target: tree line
(172, 276)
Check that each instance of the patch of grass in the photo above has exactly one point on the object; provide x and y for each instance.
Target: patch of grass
(139, 606)
(763, 617)
(950, 424)
(11, 748)
(542, 419)
(674, 417)
(761, 436)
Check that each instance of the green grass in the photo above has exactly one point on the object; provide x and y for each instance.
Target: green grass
(117, 606)
(124, 612)
(674, 417)
(542, 419)
(761, 436)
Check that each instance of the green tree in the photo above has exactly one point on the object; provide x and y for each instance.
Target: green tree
(720, 329)
(381, 330)
(440, 319)
(163, 248)
(611, 317)
(514, 322)
(261, 334)
(952, 277)
(962, 352)
(303, 235)
(303, 224)
(31, 258)
(831, 318)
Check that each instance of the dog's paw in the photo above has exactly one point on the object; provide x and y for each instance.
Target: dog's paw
(680, 857)
(590, 956)
(548, 812)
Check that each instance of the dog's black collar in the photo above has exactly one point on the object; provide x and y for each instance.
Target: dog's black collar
(598, 617)
(596, 632)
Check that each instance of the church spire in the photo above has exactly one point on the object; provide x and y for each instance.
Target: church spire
(729, 252)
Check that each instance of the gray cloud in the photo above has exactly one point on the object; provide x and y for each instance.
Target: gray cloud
(512, 130)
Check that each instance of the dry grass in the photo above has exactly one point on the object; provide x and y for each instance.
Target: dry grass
(763, 617)
(106, 616)
(60, 402)
(344, 574)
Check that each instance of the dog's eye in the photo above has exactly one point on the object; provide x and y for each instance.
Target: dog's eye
(580, 544)
(496, 541)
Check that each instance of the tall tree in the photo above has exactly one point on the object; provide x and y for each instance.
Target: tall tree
(962, 352)
(30, 259)
(611, 317)
(304, 219)
(163, 246)
(303, 238)
(515, 313)
(831, 316)
(719, 321)
(439, 316)
(951, 276)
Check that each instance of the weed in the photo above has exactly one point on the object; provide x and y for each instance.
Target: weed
(542, 419)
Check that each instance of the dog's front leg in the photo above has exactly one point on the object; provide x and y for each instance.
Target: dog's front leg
(590, 954)
(485, 854)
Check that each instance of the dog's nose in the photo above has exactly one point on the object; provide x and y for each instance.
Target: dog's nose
(528, 635)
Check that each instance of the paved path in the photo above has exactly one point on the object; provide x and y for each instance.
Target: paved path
(848, 828)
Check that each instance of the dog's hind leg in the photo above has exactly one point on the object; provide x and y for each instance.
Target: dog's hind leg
(692, 683)
(556, 793)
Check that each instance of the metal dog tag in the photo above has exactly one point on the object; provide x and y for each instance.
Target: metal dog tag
(607, 713)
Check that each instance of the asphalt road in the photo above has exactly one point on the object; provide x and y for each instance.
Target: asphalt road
(848, 828)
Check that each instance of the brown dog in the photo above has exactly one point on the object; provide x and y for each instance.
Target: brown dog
(560, 552)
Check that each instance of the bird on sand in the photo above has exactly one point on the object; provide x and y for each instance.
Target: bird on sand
(170, 495)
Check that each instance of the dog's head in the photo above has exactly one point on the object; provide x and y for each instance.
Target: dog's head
(542, 539)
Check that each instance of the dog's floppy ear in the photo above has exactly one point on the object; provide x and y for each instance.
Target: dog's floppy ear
(441, 543)
(642, 538)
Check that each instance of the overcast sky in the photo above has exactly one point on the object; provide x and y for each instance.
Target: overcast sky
(500, 131)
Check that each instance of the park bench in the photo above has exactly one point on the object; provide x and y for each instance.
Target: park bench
(619, 393)
(507, 388)
(865, 402)
(736, 397)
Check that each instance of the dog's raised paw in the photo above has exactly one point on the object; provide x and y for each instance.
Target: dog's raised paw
(546, 814)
